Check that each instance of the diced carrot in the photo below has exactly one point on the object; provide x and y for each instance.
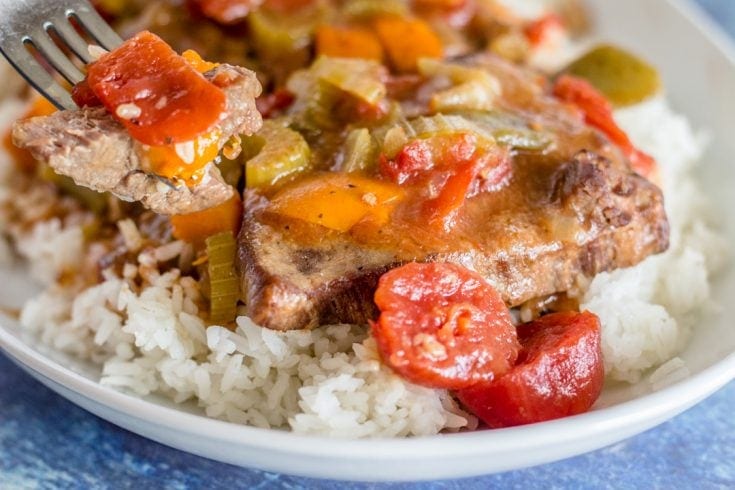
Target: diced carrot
(174, 102)
(348, 42)
(407, 40)
(197, 227)
(197, 62)
(23, 158)
(40, 107)
(337, 201)
(184, 161)
(110, 9)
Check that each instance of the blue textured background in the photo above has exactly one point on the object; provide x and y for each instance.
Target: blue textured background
(47, 442)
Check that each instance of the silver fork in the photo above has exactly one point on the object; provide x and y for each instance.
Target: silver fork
(30, 22)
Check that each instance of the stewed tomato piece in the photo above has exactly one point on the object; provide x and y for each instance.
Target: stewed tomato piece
(452, 167)
(598, 112)
(559, 373)
(155, 93)
(443, 326)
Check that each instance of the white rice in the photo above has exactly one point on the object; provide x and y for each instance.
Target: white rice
(326, 381)
(648, 311)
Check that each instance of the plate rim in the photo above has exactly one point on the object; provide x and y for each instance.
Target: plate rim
(650, 407)
(632, 412)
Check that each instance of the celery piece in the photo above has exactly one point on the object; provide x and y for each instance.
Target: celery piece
(512, 45)
(358, 77)
(275, 153)
(282, 42)
(424, 127)
(318, 110)
(394, 139)
(231, 171)
(322, 89)
(493, 127)
(473, 88)
(624, 78)
(508, 129)
(359, 152)
(367, 9)
(223, 284)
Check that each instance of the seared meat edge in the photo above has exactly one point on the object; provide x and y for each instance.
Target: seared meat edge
(287, 286)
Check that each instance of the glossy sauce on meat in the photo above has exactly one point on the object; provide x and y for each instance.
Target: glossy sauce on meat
(568, 211)
(488, 222)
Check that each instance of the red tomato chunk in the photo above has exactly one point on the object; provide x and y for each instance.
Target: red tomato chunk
(539, 30)
(174, 101)
(598, 112)
(454, 167)
(559, 373)
(83, 95)
(227, 11)
(443, 326)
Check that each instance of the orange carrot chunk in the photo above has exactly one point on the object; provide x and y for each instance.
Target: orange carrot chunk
(407, 40)
(22, 157)
(197, 62)
(347, 42)
(197, 227)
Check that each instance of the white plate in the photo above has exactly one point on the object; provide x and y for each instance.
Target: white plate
(698, 64)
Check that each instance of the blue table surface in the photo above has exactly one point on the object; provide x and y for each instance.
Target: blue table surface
(47, 442)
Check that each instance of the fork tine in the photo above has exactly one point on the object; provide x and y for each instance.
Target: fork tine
(46, 46)
(36, 75)
(71, 38)
(96, 27)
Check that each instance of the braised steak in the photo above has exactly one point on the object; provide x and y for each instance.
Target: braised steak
(92, 148)
(589, 217)
(568, 212)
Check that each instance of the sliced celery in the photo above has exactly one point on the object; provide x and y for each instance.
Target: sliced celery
(275, 153)
(360, 151)
(361, 78)
(322, 90)
(508, 129)
(367, 9)
(424, 127)
(223, 284)
(282, 42)
(318, 108)
(473, 88)
(491, 126)
(392, 138)
(623, 77)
